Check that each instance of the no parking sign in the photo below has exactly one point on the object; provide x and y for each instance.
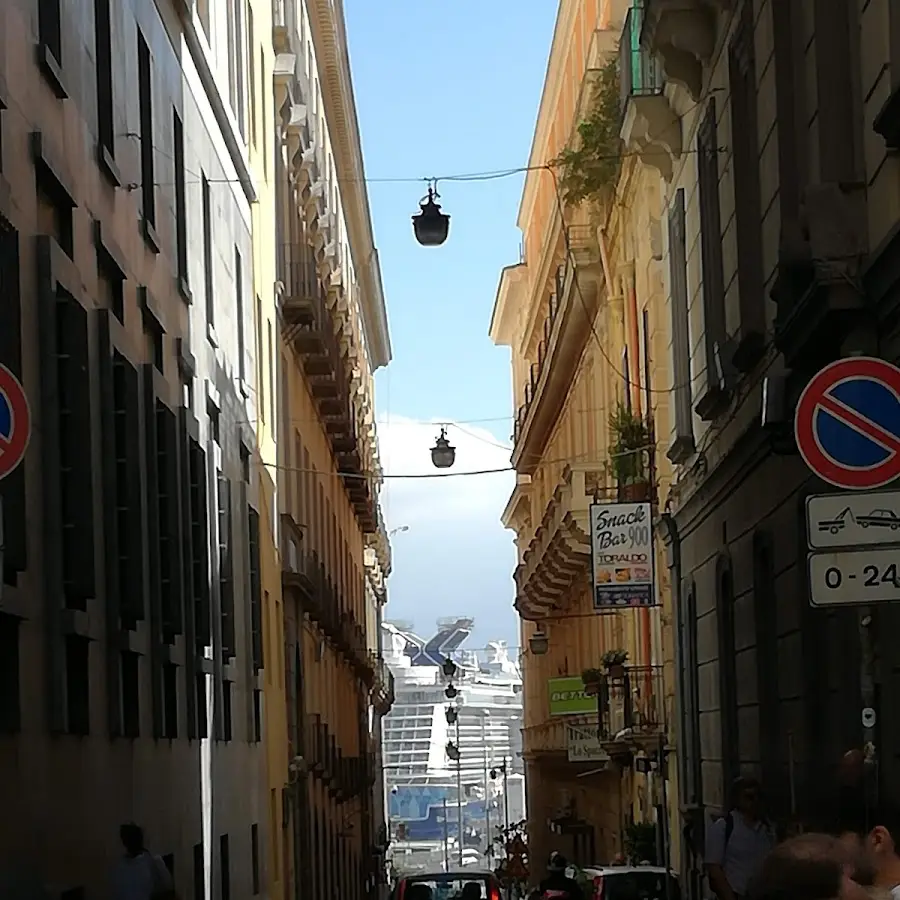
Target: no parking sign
(15, 422)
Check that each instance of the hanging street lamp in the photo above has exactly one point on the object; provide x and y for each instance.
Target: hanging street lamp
(443, 453)
(539, 643)
(430, 225)
(448, 667)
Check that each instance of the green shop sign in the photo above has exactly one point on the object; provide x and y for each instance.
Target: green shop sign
(567, 697)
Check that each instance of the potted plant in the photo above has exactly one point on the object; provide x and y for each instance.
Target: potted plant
(614, 662)
(630, 445)
(592, 679)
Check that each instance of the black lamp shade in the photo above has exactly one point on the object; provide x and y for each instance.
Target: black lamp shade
(539, 643)
(430, 225)
(443, 453)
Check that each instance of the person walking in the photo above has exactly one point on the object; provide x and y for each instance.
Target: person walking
(139, 875)
(737, 843)
(873, 848)
(557, 885)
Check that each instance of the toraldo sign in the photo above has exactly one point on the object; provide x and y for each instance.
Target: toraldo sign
(567, 697)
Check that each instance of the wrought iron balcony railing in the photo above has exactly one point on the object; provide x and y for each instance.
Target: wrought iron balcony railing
(632, 707)
(640, 74)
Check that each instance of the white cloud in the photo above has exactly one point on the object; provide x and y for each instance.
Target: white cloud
(454, 556)
(405, 446)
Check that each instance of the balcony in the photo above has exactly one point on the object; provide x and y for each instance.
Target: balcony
(650, 127)
(572, 308)
(382, 693)
(310, 325)
(633, 709)
(550, 739)
(682, 33)
(557, 562)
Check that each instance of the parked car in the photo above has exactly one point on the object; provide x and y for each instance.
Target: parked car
(449, 885)
(632, 883)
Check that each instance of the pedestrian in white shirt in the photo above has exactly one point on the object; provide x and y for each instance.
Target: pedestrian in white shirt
(139, 875)
(737, 844)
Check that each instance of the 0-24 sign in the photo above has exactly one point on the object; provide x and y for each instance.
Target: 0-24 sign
(854, 577)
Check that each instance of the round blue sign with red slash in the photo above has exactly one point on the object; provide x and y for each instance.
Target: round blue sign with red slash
(15, 422)
(847, 423)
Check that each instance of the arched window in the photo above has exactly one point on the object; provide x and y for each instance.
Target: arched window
(728, 709)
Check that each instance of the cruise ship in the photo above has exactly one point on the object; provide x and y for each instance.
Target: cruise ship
(428, 815)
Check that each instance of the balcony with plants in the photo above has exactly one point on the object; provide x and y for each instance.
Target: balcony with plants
(649, 126)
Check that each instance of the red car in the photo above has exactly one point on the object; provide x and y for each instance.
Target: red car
(448, 885)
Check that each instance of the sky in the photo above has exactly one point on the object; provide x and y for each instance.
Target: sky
(447, 87)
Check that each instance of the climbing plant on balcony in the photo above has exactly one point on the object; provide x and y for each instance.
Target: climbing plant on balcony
(629, 439)
(590, 168)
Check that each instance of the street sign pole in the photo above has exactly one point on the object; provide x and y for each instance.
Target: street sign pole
(846, 430)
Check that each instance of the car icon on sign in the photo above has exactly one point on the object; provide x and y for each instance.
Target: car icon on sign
(838, 523)
(880, 518)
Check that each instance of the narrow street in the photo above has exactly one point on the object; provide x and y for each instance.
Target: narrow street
(596, 597)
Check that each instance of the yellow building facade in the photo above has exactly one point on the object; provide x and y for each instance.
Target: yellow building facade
(334, 551)
(585, 315)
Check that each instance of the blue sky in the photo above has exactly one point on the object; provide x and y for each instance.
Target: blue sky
(446, 87)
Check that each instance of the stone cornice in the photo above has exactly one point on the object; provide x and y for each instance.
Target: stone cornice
(330, 41)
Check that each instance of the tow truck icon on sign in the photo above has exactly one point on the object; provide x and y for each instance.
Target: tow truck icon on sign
(878, 518)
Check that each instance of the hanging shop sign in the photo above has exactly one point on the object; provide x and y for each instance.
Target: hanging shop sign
(583, 744)
(567, 697)
(622, 555)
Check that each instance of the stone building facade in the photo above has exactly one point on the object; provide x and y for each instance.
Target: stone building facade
(130, 608)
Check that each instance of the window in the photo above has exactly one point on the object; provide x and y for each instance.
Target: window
(208, 253)
(765, 606)
(257, 715)
(239, 312)
(260, 381)
(50, 44)
(181, 241)
(170, 572)
(253, 554)
(226, 573)
(225, 867)
(78, 710)
(10, 678)
(710, 405)
(236, 63)
(111, 288)
(106, 137)
(203, 14)
(170, 701)
(270, 357)
(227, 708)
(254, 857)
(728, 699)
(747, 199)
(76, 463)
(251, 67)
(199, 551)
(154, 336)
(264, 110)
(199, 873)
(129, 666)
(145, 105)
(683, 444)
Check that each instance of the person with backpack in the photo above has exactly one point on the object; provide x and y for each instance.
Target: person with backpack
(737, 844)
(557, 885)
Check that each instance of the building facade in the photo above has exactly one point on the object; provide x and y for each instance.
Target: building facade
(585, 315)
(333, 336)
(131, 595)
(776, 136)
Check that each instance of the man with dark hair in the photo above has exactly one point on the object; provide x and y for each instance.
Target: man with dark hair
(873, 841)
(139, 875)
(808, 867)
(737, 843)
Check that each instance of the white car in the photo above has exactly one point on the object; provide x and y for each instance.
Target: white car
(632, 883)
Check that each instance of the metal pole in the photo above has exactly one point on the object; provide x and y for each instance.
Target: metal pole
(487, 793)
(459, 798)
(664, 825)
(446, 837)
(505, 795)
(869, 716)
